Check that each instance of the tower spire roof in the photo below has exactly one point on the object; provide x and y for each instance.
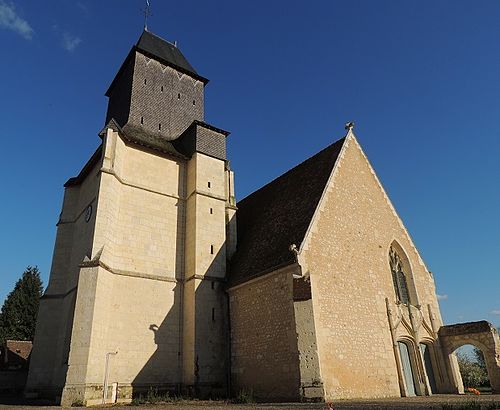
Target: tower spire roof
(164, 51)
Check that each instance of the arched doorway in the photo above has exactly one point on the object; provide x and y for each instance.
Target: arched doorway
(408, 367)
(426, 350)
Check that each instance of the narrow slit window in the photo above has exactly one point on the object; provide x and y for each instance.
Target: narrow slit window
(211, 211)
(194, 102)
(211, 249)
(145, 81)
(209, 184)
(179, 96)
(162, 88)
(159, 127)
(142, 120)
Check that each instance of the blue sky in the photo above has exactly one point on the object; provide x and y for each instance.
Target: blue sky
(420, 80)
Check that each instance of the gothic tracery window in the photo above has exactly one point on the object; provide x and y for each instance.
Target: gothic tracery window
(398, 277)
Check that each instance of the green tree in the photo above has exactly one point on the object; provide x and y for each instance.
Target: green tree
(473, 375)
(19, 311)
(478, 354)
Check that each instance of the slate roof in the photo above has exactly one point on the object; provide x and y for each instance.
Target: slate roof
(161, 50)
(149, 140)
(150, 43)
(278, 215)
(131, 134)
(96, 156)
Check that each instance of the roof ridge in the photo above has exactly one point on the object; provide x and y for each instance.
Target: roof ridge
(157, 36)
(292, 169)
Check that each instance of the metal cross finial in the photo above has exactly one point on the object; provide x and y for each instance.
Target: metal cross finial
(349, 126)
(147, 13)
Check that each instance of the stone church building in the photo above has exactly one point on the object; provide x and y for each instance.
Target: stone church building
(308, 289)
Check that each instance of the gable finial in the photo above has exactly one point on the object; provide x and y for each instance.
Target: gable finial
(147, 13)
(349, 126)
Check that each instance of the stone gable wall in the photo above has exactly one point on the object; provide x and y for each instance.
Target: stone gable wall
(346, 255)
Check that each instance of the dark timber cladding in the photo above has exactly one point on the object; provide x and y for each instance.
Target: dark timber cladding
(278, 215)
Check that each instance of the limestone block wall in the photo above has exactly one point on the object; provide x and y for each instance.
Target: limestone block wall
(129, 296)
(346, 255)
(49, 358)
(205, 311)
(141, 339)
(205, 217)
(264, 350)
(142, 208)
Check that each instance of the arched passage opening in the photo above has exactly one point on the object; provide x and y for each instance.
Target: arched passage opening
(481, 335)
(473, 369)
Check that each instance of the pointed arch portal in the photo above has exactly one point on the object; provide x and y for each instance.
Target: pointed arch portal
(407, 368)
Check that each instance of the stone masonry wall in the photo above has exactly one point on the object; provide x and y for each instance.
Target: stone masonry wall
(346, 255)
(205, 311)
(130, 293)
(141, 208)
(145, 336)
(49, 358)
(264, 348)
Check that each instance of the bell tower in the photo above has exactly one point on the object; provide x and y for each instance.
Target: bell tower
(135, 297)
(156, 90)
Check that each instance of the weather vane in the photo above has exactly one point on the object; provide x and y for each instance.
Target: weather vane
(147, 13)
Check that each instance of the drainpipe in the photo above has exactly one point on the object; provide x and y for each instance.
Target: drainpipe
(106, 374)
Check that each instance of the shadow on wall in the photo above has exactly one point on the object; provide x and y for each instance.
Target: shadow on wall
(195, 327)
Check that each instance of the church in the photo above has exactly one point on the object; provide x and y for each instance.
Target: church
(308, 289)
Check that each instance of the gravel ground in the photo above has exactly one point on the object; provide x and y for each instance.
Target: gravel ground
(437, 402)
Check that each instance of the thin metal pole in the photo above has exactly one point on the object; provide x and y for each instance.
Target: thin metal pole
(106, 374)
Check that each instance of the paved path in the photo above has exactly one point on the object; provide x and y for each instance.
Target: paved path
(437, 402)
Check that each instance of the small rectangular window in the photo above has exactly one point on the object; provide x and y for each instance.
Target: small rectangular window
(211, 211)
(209, 184)
(211, 249)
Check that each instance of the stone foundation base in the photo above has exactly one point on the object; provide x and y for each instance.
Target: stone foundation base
(52, 394)
(92, 394)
